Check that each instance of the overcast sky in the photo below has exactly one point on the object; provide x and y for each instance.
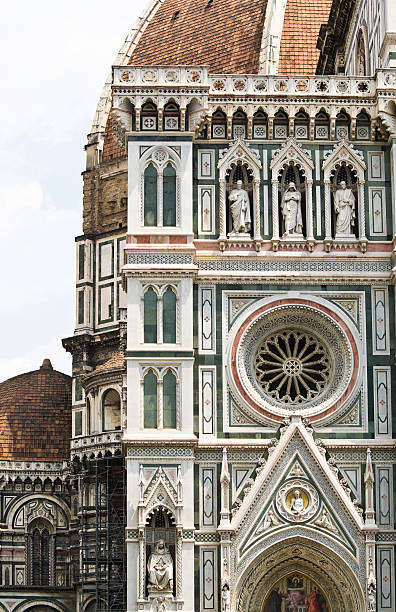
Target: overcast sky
(54, 59)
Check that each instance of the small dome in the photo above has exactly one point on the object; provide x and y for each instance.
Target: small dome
(35, 415)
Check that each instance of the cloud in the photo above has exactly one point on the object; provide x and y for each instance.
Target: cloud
(36, 241)
(54, 59)
(38, 276)
(33, 359)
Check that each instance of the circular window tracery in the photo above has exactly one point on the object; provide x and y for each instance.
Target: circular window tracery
(295, 356)
(292, 366)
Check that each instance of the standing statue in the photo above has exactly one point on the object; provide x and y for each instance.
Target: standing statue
(225, 599)
(291, 211)
(160, 568)
(344, 206)
(240, 209)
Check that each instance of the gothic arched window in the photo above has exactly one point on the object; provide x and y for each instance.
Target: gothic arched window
(150, 315)
(160, 399)
(169, 196)
(169, 400)
(169, 316)
(150, 196)
(150, 400)
(159, 315)
(40, 553)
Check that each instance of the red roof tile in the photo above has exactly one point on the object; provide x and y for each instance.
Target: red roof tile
(35, 415)
(225, 34)
(298, 52)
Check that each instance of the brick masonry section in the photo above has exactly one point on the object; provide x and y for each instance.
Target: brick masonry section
(298, 52)
(35, 415)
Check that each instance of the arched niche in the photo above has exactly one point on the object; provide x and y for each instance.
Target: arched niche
(239, 124)
(240, 161)
(111, 410)
(219, 124)
(291, 163)
(362, 64)
(161, 525)
(344, 162)
(149, 117)
(239, 172)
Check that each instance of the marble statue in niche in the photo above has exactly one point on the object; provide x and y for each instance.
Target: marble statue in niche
(291, 212)
(225, 598)
(344, 208)
(160, 568)
(240, 210)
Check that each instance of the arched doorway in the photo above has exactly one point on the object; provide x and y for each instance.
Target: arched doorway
(315, 569)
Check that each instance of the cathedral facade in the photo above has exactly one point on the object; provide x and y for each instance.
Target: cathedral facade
(232, 439)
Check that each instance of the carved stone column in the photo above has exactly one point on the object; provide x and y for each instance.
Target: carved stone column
(179, 565)
(137, 119)
(257, 216)
(312, 128)
(250, 127)
(275, 213)
(160, 119)
(142, 564)
(362, 216)
(270, 128)
(229, 128)
(328, 236)
(309, 211)
(222, 211)
(183, 120)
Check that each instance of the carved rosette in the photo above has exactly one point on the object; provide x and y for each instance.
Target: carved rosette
(307, 503)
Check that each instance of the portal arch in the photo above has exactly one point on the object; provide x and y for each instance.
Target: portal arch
(316, 562)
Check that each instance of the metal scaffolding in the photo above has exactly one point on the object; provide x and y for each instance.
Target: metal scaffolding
(102, 533)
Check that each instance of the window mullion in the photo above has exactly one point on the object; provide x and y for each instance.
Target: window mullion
(160, 404)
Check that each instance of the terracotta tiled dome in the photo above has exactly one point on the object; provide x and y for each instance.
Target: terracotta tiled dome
(35, 415)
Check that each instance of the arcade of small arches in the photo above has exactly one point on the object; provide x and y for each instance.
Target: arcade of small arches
(257, 123)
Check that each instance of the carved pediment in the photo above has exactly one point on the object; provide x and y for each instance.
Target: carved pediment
(342, 152)
(297, 491)
(239, 151)
(291, 151)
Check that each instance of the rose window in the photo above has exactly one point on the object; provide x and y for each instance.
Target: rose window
(292, 358)
(292, 366)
